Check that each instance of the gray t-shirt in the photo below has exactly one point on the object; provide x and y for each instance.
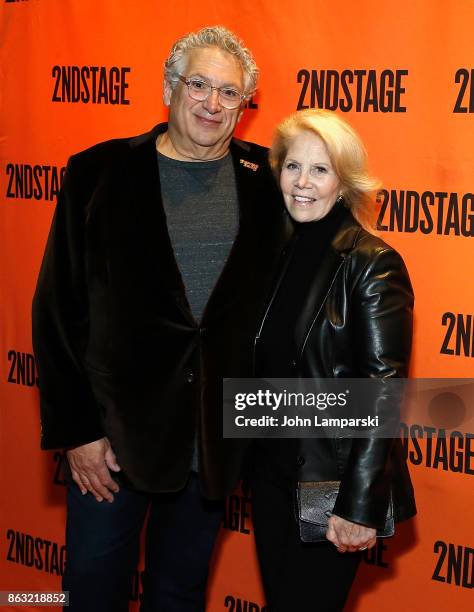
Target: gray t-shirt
(201, 206)
(202, 215)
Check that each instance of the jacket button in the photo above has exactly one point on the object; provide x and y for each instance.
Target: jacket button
(190, 377)
(300, 461)
(293, 364)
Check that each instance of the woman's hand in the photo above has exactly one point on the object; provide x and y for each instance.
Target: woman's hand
(349, 537)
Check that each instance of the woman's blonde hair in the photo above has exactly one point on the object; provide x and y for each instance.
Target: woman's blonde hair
(346, 151)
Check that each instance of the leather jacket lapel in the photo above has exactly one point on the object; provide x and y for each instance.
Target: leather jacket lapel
(332, 261)
(327, 273)
(330, 267)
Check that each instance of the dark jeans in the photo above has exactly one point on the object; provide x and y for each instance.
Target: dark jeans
(102, 541)
(297, 576)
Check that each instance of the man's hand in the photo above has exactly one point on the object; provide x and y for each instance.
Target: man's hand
(90, 464)
(350, 537)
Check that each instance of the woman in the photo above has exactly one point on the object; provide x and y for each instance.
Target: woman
(341, 307)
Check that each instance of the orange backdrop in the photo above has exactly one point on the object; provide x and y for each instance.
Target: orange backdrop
(403, 74)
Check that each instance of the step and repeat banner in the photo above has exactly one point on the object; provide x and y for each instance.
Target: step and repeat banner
(75, 72)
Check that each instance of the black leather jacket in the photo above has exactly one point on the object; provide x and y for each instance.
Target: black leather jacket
(356, 322)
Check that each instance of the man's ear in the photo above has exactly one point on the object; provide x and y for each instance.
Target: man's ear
(167, 91)
(242, 108)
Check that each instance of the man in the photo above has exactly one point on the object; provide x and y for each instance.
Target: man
(149, 294)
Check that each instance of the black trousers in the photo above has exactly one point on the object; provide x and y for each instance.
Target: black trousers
(297, 577)
(102, 542)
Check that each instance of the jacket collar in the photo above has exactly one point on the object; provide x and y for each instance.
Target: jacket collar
(142, 169)
(342, 244)
(148, 138)
(239, 149)
(346, 236)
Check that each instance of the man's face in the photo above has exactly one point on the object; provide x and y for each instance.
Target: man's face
(203, 129)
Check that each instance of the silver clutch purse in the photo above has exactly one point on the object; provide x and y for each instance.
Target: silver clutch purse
(314, 504)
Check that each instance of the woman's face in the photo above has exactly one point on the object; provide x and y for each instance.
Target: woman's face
(308, 181)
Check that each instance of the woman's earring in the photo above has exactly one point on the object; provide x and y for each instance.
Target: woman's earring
(339, 198)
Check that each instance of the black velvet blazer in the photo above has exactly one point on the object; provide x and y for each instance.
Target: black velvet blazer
(118, 351)
(356, 322)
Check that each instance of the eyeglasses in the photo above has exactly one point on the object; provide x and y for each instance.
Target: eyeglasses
(200, 90)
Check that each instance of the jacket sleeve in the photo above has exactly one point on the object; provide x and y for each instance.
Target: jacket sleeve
(382, 311)
(69, 413)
